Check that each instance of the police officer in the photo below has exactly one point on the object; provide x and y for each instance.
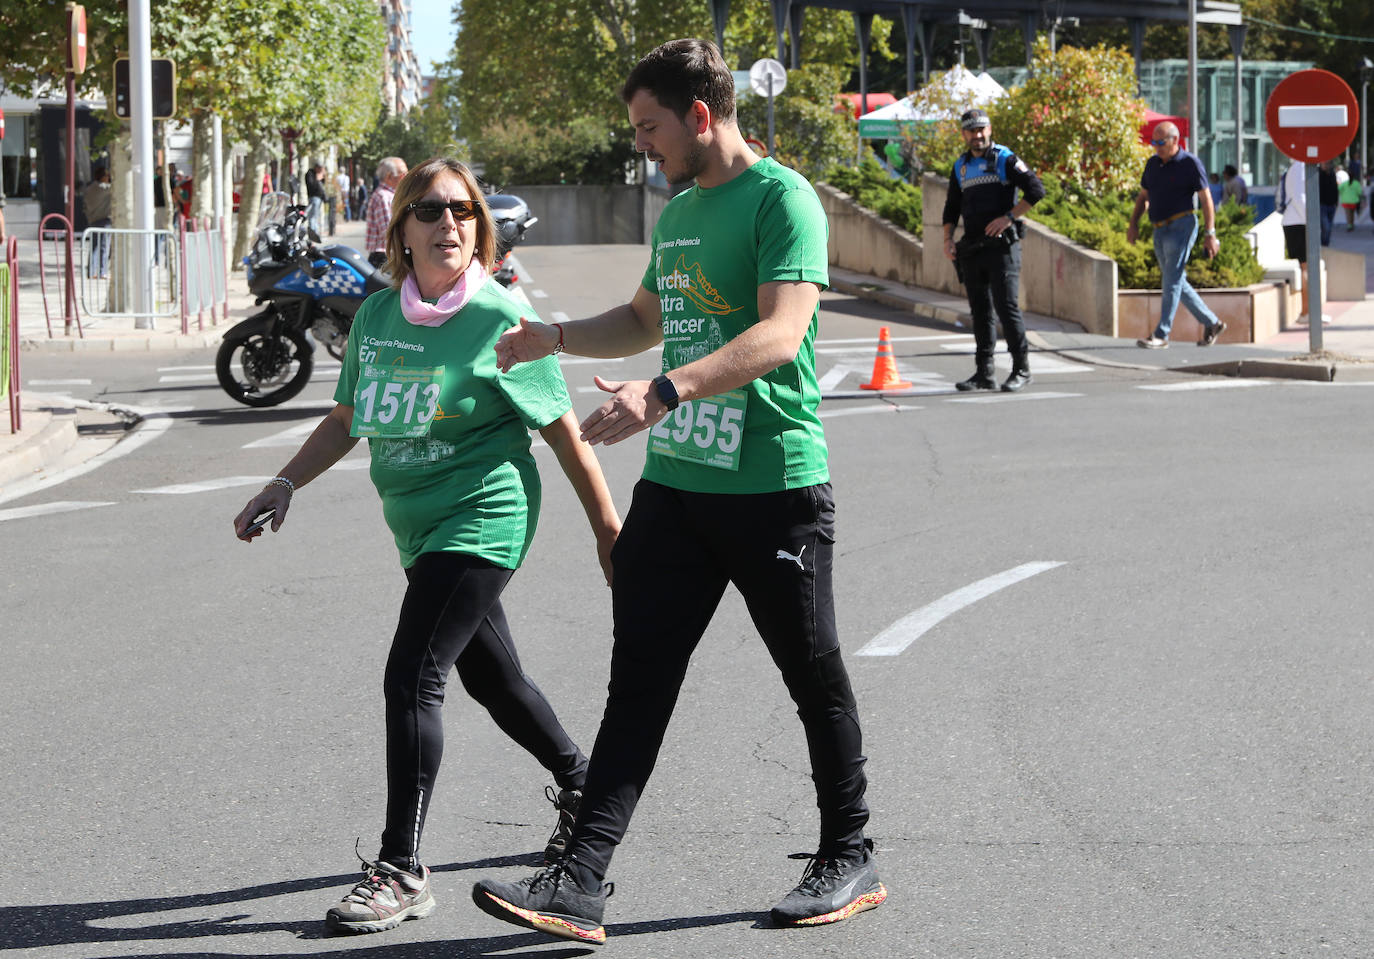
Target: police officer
(982, 189)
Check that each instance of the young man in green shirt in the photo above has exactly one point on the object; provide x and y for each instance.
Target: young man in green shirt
(735, 487)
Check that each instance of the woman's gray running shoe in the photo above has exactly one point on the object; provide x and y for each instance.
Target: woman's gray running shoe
(567, 802)
(385, 898)
(832, 890)
(550, 901)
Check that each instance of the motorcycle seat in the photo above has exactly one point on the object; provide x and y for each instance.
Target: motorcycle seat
(373, 278)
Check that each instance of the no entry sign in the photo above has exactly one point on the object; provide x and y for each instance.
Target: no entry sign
(1312, 116)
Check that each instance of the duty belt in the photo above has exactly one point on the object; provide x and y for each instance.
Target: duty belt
(1177, 216)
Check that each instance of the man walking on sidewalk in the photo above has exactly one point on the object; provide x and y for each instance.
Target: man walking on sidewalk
(732, 291)
(389, 172)
(982, 189)
(1172, 177)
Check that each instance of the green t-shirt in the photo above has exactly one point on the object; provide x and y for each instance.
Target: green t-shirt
(449, 435)
(711, 251)
(1350, 191)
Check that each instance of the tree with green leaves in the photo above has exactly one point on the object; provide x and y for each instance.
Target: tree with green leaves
(1077, 116)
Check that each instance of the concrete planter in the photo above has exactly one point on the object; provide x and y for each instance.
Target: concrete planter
(864, 242)
(1251, 314)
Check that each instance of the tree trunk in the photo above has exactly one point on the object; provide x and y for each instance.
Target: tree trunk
(250, 197)
(122, 218)
(202, 166)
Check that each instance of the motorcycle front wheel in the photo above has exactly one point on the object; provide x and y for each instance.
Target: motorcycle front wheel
(259, 367)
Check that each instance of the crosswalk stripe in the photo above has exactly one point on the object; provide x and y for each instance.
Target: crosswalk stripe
(1012, 397)
(227, 482)
(43, 509)
(1202, 384)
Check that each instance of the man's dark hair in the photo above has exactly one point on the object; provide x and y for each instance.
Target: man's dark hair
(680, 72)
(1229, 170)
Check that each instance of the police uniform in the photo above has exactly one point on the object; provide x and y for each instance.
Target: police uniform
(981, 189)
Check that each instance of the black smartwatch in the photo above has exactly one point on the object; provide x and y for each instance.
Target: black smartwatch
(667, 392)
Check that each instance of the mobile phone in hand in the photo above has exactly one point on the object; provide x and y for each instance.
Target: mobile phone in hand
(260, 522)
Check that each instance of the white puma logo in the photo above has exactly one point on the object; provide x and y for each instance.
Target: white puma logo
(784, 554)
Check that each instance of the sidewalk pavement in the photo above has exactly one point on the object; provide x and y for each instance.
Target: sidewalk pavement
(50, 427)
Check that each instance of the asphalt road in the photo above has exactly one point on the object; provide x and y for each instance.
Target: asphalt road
(1154, 743)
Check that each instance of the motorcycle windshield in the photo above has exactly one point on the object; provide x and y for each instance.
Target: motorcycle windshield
(274, 208)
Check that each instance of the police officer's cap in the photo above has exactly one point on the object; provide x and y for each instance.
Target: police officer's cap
(973, 119)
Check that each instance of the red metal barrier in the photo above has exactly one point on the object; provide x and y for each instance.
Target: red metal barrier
(12, 258)
(71, 314)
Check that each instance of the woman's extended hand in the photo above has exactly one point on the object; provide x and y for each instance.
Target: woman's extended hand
(273, 497)
(523, 343)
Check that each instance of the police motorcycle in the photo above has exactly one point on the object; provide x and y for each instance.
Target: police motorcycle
(268, 358)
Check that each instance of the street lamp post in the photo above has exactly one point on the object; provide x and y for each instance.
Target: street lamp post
(1366, 69)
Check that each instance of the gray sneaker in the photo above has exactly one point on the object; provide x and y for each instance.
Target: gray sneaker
(1209, 335)
(1153, 343)
(385, 898)
(550, 901)
(832, 890)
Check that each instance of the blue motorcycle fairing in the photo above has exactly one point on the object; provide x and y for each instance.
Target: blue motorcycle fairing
(341, 280)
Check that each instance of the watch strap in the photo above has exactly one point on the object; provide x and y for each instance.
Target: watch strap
(667, 392)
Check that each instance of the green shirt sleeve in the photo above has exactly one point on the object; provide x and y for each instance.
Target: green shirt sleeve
(792, 240)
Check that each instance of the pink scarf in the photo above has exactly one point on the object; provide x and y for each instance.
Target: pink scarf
(420, 313)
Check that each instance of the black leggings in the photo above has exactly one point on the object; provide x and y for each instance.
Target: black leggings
(452, 615)
(673, 560)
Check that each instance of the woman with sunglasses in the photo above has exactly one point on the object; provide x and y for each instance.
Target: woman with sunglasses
(451, 460)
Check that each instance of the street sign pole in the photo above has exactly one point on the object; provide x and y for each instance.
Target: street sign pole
(141, 128)
(768, 78)
(770, 114)
(1314, 260)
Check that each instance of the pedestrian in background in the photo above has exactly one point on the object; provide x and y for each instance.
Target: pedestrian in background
(1291, 202)
(451, 460)
(732, 291)
(389, 173)
(315, 197)
(1351, 193)
(1233, 185)
(1328, 198)
(1214, 187)
(1173, 177)
(98, 202)
(341, 184)
(359, 199)
(982, 191)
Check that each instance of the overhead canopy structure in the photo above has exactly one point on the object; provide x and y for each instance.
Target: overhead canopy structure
(958, 85)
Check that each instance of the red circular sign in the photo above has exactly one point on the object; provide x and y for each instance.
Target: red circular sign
(76, 39)
(1312, 116)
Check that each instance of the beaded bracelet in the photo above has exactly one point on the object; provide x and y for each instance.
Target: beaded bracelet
(559, 348)
(283, 481)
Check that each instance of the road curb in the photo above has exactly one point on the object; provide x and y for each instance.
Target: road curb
(31, 455)
(133, 343)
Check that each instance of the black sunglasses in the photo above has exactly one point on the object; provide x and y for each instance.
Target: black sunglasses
(427, 211)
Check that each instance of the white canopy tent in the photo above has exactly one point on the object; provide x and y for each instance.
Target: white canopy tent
(958, 85)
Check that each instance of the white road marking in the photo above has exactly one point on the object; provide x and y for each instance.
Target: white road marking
(539, 294)
(187, 378)
(1203, 384)
(20, 512)
(293, 436)
(1012, 397)
(185, 369)
(57, 382)
(559, 317)
(204, 486)
(908, 629)
(860, 410)
(824, 347)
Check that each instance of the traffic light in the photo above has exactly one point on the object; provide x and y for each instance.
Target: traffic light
(164, 88)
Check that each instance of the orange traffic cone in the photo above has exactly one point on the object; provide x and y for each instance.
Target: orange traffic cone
(885, 368)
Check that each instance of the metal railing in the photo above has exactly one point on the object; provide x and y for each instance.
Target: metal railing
(65, 257)
(204, 274)
(109, 272)
(9, 331)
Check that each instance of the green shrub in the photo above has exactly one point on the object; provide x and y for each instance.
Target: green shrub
(874, 189)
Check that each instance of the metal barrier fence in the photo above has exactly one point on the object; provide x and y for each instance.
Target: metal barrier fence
(64, 255)
(109, 272)
(204, 276)
(9, 331)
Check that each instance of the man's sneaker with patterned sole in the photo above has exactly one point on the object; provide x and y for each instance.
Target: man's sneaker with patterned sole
(567, 802)
(550, 901)
(1153, 343)
(832, 890)
(1209, 335)
(385, 898)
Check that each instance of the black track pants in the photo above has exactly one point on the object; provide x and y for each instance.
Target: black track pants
(991, 277)
(451, 616)
(777, 549)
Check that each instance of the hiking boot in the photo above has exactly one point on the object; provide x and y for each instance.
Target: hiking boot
(1209, 335)
(832, 890)
(566, 802)
(1019, 380)
(1153, 343)
(550, 901)
(385, 898)
(978, 381)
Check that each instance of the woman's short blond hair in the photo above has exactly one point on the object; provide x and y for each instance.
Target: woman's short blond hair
(412, 188)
